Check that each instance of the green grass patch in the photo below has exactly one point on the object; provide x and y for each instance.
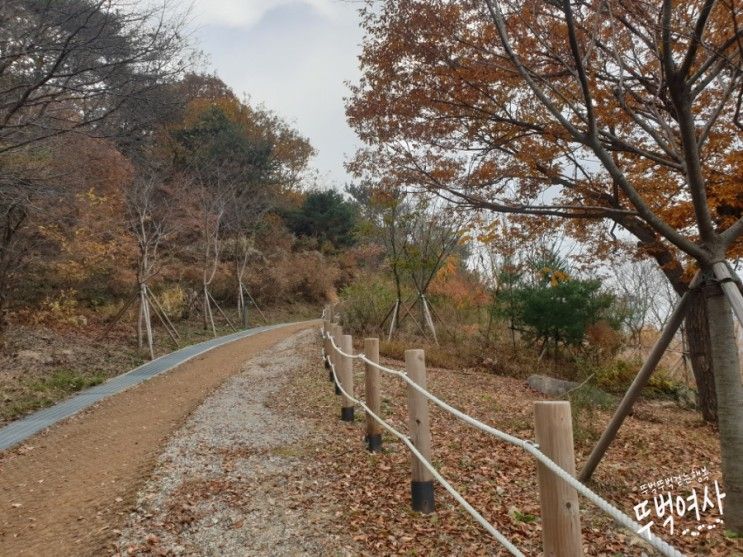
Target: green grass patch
(37, 393)
(65, 381)
(526, 518)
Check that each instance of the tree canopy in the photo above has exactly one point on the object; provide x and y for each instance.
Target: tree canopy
(326, 217)
(554, 110)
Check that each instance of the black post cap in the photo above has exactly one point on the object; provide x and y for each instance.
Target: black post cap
(374, 443)
(422, 496)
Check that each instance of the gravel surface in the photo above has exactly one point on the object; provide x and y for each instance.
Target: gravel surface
(233, 479)
(69, 489)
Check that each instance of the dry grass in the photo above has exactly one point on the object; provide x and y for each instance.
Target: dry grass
(658, 441)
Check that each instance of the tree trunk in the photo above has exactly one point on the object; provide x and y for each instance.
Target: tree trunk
(140, 325)
(729, 387)
(3, 317)
(205, 295)
(208, 316)
(696, 322)
(700, 354)
(242, 304)
(145, 313)
(685, 353)
(398, 304)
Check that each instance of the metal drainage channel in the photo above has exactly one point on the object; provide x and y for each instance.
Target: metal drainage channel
(18, 431)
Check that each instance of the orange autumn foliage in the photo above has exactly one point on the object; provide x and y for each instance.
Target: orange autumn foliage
(444, 105)
(461, 290)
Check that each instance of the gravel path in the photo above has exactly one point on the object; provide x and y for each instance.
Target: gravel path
(232, 480)
(67, 490)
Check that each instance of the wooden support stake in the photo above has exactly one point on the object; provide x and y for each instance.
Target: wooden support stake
(208, 316)
(162, 320)
(242, 306)
(561, 533)
(386, 315)
(633, 393)
(163, 312)
(429, 319)
(393, 322)
(223, 314)
(118, 316)
(408, 313)
(373, 399)
(346, 377)
(421, 486)
(252, 301)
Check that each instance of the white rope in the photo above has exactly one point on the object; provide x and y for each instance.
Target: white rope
(656, 542)
(454, 493)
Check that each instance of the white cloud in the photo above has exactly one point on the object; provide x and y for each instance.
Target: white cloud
(294, 59)
(238, 13)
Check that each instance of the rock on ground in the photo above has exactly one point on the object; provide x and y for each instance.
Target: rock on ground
(549, 385)
(232, 480)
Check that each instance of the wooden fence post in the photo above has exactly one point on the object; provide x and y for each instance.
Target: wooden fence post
(337, 334)
(421, 487)
(346, 377)
(561, 533)
(371, 377)
(326, 345)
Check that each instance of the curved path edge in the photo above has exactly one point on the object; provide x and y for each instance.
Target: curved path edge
(20, 430)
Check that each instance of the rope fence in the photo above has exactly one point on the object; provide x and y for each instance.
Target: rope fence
(558, 485)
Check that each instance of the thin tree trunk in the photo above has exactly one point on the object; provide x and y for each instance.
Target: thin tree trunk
(696, 330)
(429, 319)
(242, 306)
(140, 326)
(208, 316)
(147, 320)
(729, 387)
(398, 292)
(700, 350)
(543, 350)
(207, 309)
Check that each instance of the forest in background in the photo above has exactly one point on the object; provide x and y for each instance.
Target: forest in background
(144, 201)
(145, 205)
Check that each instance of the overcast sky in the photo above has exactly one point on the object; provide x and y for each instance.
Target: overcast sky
(293, 57)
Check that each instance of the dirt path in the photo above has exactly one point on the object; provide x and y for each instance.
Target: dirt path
(234, 481)
(67, 490)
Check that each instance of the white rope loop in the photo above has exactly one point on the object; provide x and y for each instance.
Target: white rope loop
(530, 447)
